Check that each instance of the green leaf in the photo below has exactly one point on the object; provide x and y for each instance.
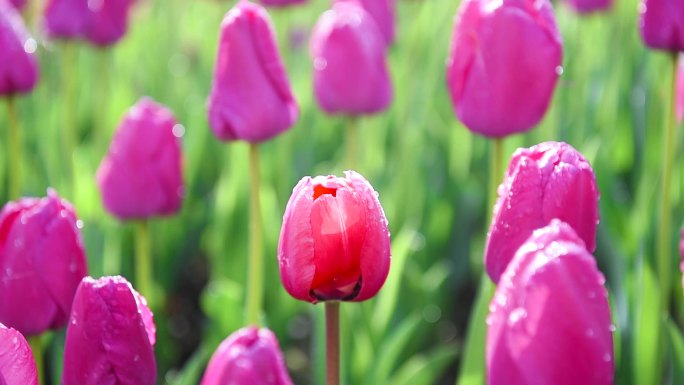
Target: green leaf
(677, 349)
(393, 346)
(424, 370)
(647, 354)
(473, 368)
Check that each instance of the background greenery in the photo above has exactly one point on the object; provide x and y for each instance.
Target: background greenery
(430, 171)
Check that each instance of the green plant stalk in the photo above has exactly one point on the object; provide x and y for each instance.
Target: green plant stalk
(37, 348)
(495, 175)
(664, 251)
(102, 131)
(332, 339)
(352, 143)
(14, 163)
(143, 262)
(69, 129)
(255, 263)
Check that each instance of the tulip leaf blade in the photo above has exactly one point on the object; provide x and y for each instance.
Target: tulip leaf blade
(392, 347)
(473, 366)
(425, 369)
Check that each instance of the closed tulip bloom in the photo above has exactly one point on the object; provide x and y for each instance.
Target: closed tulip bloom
(108, 21)
(141, 175)
(110, 337)
(504, 64)
(66, 19)
(18, 4)
(543, 182)
(662, 24)
(17, 366)
(549, 320)
(281, 3)
(349, 59)
(18, 67)
(250, 97)
(589, 6)
(250, 356)
(334, 243)
(42, 261)
(382, 12)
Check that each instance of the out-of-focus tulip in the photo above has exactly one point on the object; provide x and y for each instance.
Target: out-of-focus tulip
(549, 320)
(334, 243)
(141, 175)
(680, 90)
(589, 6)
(18, 4)
(18, 67)
(349, 59)
(382, 12)
(110, 337)
(101, 22)
(66, 19)
(662, 24)
(250, 97)
(42, 261)
(281, 3)
(543, 182)
(504, 63)
(17, 366)
(250, 356)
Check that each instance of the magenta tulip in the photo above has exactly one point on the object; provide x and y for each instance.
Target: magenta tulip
(42, 261)
(18, 4)
(18, 67)
(382, 12)
(110, 337)
(543, 182)
(680, 90)
(334, 243)
(101, 22)
(504, 63)
(549, 320)
(589, 6)
(662, 24)
(17, 366)
(281, 3)
(250, 356)
(141, 175)
(250, 97)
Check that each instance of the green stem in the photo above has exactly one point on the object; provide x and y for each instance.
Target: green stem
(69, 130)
(255, 264)
(495, 175)
(37, 348)
(665, 230)
(143, 262)
(14, 143)
(332, 351)
(101, 134)
(352, 143)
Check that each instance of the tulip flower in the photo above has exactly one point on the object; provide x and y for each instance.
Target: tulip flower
(549, 320)
(110, 337)
(589, 6)
(102, 23)
(18, 4)
(662, 24)
(281, 3)
(349, 59)
(250, 97)
(141, 175)
(42, 261)
(543, 182)
(504, 64)
(17, 366)
(18, 67)
(382, 12)
(250, 356)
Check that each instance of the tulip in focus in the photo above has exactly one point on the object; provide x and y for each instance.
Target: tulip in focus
(543, 182)
(250, 96)
(549, 320)
(141, 175)
(334, 243)
(17, 366)
(102, 23)
(110, 337)
(18, 67)
(589, 6)
(382, 12)
(42, 261)
(250, 356)
(662, 24)
(504, 63)
(281, 3)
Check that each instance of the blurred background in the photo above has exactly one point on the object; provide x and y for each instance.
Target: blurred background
(430, 171)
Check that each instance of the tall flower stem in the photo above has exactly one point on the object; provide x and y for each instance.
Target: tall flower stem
(495, 175)
(37, 348)
(255, 264)
(143, 261)
(69, 131)
(332, 350)
(352, 142)
(14, 150)
(664, 251)
(101, 134)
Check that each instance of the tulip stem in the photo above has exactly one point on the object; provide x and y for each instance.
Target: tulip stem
(69, 131)
(255, 263)
(101, 134)
(37, 349)
(143, 261)
(332, 351)
(665, 230)
(14, 143)
(496, 173)
(352, 142)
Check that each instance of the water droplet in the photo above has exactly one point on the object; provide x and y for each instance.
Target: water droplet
(612, 328)
(517, 315)
(79, 224)
(63, 213)
(607, 357)
(178, 130)
(23, 219)
(30, 45)
(590, 333)
(15, 340)
(73, 321)
(559, 70)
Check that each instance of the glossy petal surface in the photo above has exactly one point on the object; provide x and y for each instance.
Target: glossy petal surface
(18, 66)
(17, 366)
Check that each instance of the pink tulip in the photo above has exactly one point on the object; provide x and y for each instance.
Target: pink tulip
(66, 19)
(18, 4)
(18, 67)
(549, 320)
(141, 175)
(589, 6)
(382, 12)
(250, 97)
(504, 63)
(110, 337)
(680, 90)
(334, 243)
(101, 22)
(17, 366)
(250, 356)
(543, 182)
(281, 3)
(42, 261)
(662, 24)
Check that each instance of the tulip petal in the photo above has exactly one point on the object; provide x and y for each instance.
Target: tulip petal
(17, 366)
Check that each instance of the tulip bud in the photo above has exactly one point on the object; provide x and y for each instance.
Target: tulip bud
(110, 337)
(102, 22)
(18, 67)
(382, 12)
(349, 59)
(334, 243)
(281, 3)
(42, 261)
(549, 320)
(662, 24)
(250, 96)
(503, 66)
(66, 19)
(680, 90)
(141, 175)
(17, 366)
(250, 356)
(543, 182)
(589, 6)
